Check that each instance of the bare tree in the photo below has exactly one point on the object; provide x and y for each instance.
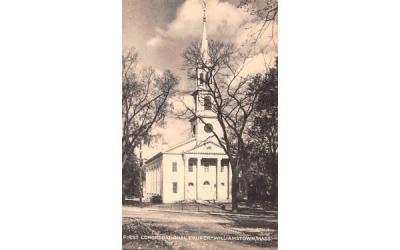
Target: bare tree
(267, 10)
(233, 99)
(145, 96)
(263, 25)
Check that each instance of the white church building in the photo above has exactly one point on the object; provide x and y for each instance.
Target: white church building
(198, 168)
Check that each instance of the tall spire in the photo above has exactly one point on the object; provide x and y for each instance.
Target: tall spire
(204, 41)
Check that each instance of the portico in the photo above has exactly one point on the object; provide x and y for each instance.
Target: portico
(206, 178)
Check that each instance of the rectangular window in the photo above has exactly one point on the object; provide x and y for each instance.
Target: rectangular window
(175, 187)
(224, 163)
(174, 167)
(190, 168)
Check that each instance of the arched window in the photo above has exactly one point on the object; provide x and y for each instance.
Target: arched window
(206, 183)
(207, 103)
(190, 184)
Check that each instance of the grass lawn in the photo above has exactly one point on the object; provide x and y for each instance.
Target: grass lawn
(145, 221)
(131, 228)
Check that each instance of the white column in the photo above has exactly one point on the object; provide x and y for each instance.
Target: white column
(151, 180)
(228, 180)
(197, 178)
(154, 179)
(147, 181)
(184, 176)
(216, 178)
(157, 179)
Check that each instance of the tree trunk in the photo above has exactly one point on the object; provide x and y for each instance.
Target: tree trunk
(140, 185)
(274, 176)
(235, 188)
(140, 176)
(275, 185)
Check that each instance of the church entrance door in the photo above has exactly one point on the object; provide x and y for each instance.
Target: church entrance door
(190, 191)
(207, 191)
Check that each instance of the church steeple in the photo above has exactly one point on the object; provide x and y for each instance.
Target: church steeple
(204, 41)
(204, 120)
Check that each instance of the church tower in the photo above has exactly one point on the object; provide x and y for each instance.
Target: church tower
(205, 121)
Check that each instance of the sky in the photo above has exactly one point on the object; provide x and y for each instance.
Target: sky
(160, 30)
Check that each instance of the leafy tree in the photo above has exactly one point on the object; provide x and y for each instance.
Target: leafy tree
(264, 137)
(145, 102)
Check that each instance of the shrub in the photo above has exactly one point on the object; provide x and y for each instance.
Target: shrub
(156, 199)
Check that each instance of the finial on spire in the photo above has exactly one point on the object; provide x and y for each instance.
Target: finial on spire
(204, 10)
(204, 42)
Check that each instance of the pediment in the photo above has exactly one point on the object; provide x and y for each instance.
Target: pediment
(206, 148)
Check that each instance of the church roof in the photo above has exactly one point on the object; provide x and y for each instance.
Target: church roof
(183, 145)
(188, 144)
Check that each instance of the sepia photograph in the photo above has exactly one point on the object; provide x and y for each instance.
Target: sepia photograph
(200, 124)
(214, 154)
